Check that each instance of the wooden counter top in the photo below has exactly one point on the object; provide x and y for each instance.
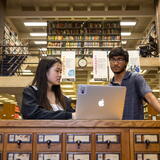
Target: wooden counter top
(79, 123)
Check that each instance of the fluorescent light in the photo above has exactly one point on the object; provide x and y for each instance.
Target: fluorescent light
(40, 42)
(26, 70)
(68, 91)
(27, 73)
(125, 33)
(35, 23)
(66, 86)
(124, 42)
(43, 49)
(127, 23)
(38, 34)
(156, 90)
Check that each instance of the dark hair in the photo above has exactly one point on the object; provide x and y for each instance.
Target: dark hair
(41, 82)
(119, 51)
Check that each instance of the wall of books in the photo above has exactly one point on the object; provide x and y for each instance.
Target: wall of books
(82, 37)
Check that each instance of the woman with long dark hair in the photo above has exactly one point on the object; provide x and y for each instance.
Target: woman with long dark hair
(44, 98)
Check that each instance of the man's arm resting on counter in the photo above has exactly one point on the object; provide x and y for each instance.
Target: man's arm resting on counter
(152, 100)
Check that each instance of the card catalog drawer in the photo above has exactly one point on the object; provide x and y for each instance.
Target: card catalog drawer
(142, 138)
(73, 138)
(78, 156)
(43, 138)
(107, 156)
(49, 156)
(47, 142)
(18, 156)
(19, 142)
(78, 142)
(113, 138)
(108, 142)
(146, 142)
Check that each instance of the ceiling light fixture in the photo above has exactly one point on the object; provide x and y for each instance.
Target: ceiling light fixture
(156, 90)
(125, 33)
(125, 23)
(40, 42)
(35, 23)
(66, 86)
(43, 49)
(38, 34)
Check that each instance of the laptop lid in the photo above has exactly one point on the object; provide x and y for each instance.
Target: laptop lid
(100, 102)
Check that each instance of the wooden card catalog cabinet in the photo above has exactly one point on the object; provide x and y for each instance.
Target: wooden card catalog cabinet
(108, 142)
(79, 156)
(78, 142)
(49, 156)
(49, 142)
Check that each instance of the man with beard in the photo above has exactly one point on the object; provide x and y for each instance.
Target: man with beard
(137, 88)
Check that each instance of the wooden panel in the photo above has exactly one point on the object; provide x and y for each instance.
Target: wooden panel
(141, 146)
(80, 124)
(121, 134)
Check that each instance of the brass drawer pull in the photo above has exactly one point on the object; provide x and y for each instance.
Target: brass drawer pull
(49, 143)
(147, 142)
(78, 143)
(19, 143)
(108, 142)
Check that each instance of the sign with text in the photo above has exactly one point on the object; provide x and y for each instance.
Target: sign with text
(68, 67)
(100, 72)
(134, 62)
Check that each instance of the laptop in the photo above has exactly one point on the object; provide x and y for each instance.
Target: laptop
(100, 102)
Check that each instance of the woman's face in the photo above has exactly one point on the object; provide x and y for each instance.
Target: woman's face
(54, 74)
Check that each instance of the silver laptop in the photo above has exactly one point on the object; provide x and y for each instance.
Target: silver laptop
(100, 102)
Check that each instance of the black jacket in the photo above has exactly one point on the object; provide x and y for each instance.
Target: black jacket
(32, 110)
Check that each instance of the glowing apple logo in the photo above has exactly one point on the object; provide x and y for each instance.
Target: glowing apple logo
(101, 103)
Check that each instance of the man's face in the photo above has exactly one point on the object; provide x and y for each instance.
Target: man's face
(118, 64)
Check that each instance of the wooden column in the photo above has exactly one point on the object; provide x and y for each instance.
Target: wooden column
(158, 23)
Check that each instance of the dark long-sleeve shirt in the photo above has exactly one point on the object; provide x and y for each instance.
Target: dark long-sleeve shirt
(32, 110)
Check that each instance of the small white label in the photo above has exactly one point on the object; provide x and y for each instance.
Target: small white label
(82, 138)
(53, 138)
(81, 157)
(138, 138)
(112, 138)
(151, 138)
(150, 156)
(111, 157)
(139, 157)
(25, 138)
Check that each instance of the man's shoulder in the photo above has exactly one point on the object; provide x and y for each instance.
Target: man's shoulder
(134, 75)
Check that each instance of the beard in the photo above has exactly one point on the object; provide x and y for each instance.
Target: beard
(122, 70)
